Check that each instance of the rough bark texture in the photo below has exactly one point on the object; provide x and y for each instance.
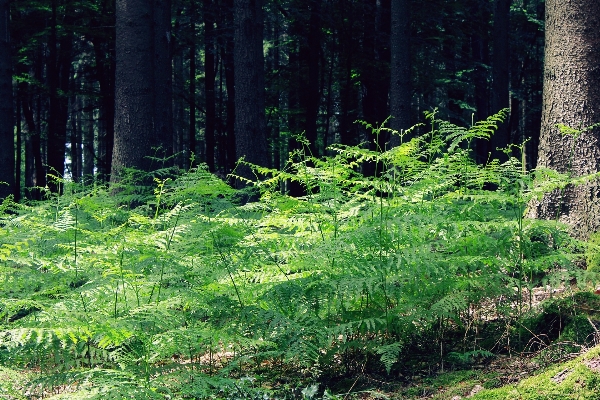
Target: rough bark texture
(7, 155)
(133, 86)
(142, 84)
(250, 122)
(571, 97)
(400, 85)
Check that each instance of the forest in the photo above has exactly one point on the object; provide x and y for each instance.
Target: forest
(286, 199)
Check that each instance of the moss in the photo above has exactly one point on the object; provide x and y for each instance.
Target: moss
(575, 379)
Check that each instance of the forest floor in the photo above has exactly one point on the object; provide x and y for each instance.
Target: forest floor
(545, 369)
(553, 365)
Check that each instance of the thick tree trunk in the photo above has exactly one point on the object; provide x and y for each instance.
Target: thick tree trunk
(250, 123)
(143, 118)
(571, 97)
(400, 85)
(7, 154)
(134, 79)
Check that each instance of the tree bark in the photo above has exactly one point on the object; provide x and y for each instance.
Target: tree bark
(7, 154)
(400, 68)
(163, 80)
(88, 142)
(500, 75)
(59, 74)
(192, 76)
(210, 77)
(143, 118)
(571, 97)
(250, 122)
(348, 92)
(104, 53)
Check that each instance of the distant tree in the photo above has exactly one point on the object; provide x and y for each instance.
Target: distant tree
(571, 97)
(209, 84)
(500, 74)
(102, 37)
(400, 87)
(7, 155)
(60, 49)
(250, 122)
(142, 84)
(163, 78)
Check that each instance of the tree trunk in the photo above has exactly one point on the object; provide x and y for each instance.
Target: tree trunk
(480, 55)
(309, 88)
(500, 75)
(163, 81)
(181, 160)
(192, 76)
(250, 123)
(143, 118)
(59, 73)
(571, 97)
(348, 92)
(400, 85)
(7, 154)
(104, 52)
(209, 84)
(88, 142)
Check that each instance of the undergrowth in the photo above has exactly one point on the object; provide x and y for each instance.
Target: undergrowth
(185, 291)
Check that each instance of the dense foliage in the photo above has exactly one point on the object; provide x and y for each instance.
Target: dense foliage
(195, 290)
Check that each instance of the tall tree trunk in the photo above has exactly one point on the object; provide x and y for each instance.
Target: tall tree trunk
(480, 56)
(7, 154)
(348, 92)
(571, 97)
(104, 52)
(75, 138)
(19, 150)
(59, 73)
(226, 26)
(163, 80)
(178, 95)
(142, 84)
(250, 123)
(35, 172)
(210, 77)
(500, 75)
(87, 140)
(192, 94)
(400, 86)
(309, 86)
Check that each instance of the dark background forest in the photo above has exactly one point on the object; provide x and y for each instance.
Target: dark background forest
(327, 64)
